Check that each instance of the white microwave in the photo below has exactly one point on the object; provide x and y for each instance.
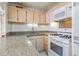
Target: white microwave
(60, 13)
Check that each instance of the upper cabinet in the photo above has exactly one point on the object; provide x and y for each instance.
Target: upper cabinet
(42, 18)
(29, 16)
(16, 14)
(49, 16)
(33, 17)
(60, 13)
(12, 13)
(69, 10)
(36, 17)
(21, 15)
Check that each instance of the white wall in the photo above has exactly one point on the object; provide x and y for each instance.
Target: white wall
(76, 20)
(20, 27)
(4, 20)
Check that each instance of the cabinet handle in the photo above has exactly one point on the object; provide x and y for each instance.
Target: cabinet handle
(19, 7)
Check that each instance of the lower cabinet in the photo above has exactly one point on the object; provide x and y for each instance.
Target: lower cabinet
(38, 43)
(46, 44)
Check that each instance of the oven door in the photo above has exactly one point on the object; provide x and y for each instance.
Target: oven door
(58, 49)
(55, 50)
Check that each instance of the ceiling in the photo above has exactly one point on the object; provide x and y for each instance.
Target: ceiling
(39, 5)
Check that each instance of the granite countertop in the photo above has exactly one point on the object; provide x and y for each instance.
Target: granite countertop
(19, 46)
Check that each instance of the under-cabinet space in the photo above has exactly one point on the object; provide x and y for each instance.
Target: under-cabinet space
(67, 23)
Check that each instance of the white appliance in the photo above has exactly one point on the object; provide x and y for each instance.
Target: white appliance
(58, 44)
(60, 13)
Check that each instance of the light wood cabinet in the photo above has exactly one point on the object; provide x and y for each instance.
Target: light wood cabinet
(36, 17)
(21, 15)
(42, 18)
(12, 13)
(32, 17)
(48, 17)
(29, 16)
(16, 14)
(46, 44)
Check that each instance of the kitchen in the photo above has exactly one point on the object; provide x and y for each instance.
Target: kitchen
(36, 29)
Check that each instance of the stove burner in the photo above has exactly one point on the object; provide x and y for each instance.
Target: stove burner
(62, 35)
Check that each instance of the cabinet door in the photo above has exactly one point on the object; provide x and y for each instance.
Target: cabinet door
(29, 17)
(21, 15)
(51, 15)
(47, 17)
(42, 18)
(12, 13)
(36, 17)
(46, 44)
(40, 44)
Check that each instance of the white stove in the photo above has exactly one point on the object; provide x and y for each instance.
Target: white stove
(59, 44)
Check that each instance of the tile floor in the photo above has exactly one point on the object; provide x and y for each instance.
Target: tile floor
(42, 53)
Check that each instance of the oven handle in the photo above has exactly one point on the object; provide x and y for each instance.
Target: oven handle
(76, 42)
